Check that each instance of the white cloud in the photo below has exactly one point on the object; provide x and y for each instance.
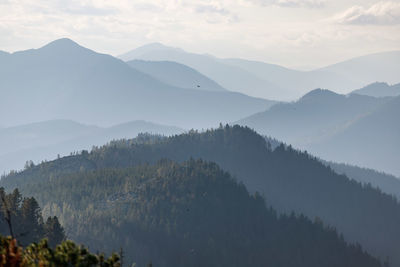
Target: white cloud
(256, 29)
(292, 3)
(381, 13)
(211, 9)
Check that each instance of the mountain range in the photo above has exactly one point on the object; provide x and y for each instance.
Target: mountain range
(355, 129)
(371, 140)
(379, 90)
(48, 140)
(176, 74)
(108, 150)
(385, 182)
(290, 180)
(179, 214)
(271, 81)
(63, 80)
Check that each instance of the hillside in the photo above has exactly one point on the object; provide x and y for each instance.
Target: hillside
(313, 118)
(372, 140)
(321, 118)
(289, 179)
(189, 214)
(49, 139)
(63, 80)
(176, 74)
(379, 90)
(387, 183)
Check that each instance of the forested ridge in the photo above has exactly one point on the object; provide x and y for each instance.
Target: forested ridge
(188, 214)
(289, 179)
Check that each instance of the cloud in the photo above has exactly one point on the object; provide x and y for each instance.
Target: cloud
(148, 7)
(381, 13)
(215, 13)
(292, 3)
(211, 9)
(280, 31)
(88, 10)
(72, 7)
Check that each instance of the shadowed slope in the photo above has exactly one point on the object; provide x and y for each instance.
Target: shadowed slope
(290, 180)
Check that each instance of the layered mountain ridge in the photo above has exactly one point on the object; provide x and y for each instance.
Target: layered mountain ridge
(272, 81)
(48, 140)
(379, 89)
(63, 80)
(289, 179)
(356, 129)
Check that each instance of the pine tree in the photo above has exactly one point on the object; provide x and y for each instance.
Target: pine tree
(54, 232)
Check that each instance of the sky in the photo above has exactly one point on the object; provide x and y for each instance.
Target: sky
(301, 34)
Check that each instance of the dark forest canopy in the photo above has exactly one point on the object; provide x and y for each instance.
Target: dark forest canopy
(290, 180)
(22, 218)
(188, 214)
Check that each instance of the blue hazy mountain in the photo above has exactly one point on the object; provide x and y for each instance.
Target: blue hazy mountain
(228, 76)
(176, 74)
(314, 116)
(379, 89)
(41, 134)
(371, 140)
(340, 77)
(46, 140)
(384, 67)
(276, 82)
(63, 80)
(353, 128)
(388, 183)
(302, 81)
(3, 54)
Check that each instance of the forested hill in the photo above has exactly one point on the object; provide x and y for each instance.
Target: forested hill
(189, 214)
(289, 179)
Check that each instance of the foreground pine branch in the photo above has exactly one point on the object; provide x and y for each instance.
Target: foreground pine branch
(40, 254)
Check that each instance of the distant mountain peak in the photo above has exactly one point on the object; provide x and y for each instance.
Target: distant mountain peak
(63, 44)
(155, 45)
(378, 83)
(378, 89)
(147, 48)
(318, 93)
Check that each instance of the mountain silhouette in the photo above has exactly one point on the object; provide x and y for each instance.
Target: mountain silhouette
(272, 81)
(379, 89)
(354, 129)
(176, 74)
(49, 139)
(64, 80)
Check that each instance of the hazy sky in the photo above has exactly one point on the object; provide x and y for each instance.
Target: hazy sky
(294, 33)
